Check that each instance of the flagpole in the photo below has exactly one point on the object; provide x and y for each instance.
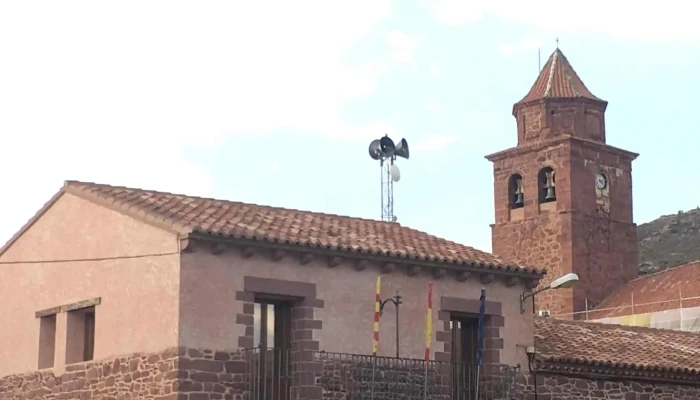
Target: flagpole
(480, 338)
(377, 309)
(428, 336)
(375, 336)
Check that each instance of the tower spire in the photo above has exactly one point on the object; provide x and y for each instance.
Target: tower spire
(558, 80)
(559, 103)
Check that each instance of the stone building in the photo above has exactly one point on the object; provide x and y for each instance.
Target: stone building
(119, 293)
(103, 272)
(563, 196)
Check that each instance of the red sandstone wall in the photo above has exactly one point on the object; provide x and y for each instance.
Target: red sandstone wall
(534, 235)
(546, 120)
(604, 236)
(585, 232)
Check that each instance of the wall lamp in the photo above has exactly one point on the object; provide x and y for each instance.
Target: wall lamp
(531, 355)
(564, 282)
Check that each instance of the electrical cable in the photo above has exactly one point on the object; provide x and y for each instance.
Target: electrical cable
(96, 259)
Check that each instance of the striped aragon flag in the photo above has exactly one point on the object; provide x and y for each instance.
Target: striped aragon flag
(377, 304)
(429, 322)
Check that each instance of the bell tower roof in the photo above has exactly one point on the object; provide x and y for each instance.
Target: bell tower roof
(558, 80)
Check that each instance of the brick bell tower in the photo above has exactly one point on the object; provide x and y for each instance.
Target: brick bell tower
(563, 196)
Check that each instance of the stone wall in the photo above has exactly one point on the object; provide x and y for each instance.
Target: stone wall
(188, 374)
(173, 374)
(137, 376)
(551, 387)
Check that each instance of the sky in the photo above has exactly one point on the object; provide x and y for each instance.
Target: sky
(276, 102)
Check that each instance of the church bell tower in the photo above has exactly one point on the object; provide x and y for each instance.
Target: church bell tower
(563, 196)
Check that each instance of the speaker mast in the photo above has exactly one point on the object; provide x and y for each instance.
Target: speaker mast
(385, 151)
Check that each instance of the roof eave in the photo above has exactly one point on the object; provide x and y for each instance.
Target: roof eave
(506, 269)
(603, 369)
(522, 103)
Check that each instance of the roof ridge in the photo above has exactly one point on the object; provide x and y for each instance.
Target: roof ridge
(548, 90)
(695, 263)
(75, 182)
(615, 326)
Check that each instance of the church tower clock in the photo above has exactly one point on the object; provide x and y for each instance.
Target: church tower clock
(563, 196)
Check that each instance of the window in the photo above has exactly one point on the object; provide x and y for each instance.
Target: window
(272, 325)
(516, 196)
(272, 330)
(547, 182)
(47, 341)
(80, 335)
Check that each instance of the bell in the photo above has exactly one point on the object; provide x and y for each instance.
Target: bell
(550, 194)
(519, 199)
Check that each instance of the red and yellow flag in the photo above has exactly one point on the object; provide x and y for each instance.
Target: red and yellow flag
(429, 322)
(377, 302)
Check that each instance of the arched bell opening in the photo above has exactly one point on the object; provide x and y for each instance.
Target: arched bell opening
(547, 185)
(516, 195)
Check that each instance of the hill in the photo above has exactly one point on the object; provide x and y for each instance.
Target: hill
(669, 241)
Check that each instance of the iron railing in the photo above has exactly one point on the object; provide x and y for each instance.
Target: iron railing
(275, 374)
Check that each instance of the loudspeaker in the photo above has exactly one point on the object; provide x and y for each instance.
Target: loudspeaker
(387, 146)
(375, 149)
(401, 149)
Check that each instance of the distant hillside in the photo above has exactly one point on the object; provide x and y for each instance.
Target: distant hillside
(669, 241)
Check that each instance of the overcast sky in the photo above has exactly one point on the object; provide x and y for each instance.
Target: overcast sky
(275, 102)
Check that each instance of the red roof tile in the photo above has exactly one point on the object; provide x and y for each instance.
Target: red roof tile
(615, 345)
(195, 215)
(656, 292)
(558, 80)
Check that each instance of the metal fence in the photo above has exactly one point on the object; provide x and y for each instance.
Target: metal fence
(275, 374)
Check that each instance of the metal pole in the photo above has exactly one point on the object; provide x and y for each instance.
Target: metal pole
(398, 301)
(632, 303)
(381, 182)
(680, 308)
(374, 370)
(478, 367)
(586, 308)
(425, 382)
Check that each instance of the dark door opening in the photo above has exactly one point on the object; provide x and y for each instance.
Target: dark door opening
(464, 347)
(272, 340)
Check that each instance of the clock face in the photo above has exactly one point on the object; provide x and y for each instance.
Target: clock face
(601, 182)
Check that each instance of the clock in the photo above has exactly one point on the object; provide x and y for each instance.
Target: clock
(601, 181)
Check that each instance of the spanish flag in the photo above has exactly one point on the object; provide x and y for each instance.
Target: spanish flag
(429, 322)
(377, 302)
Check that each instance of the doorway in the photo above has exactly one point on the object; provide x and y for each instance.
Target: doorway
(272, 341)
(465, 333)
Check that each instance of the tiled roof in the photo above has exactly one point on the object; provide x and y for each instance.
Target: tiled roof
(618, 346)
(558, 80)
(194, 215)
(657, 292)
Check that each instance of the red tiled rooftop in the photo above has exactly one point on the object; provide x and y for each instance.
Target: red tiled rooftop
(656, 292)
(558, 80)
(581, 342)
(223, 218)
